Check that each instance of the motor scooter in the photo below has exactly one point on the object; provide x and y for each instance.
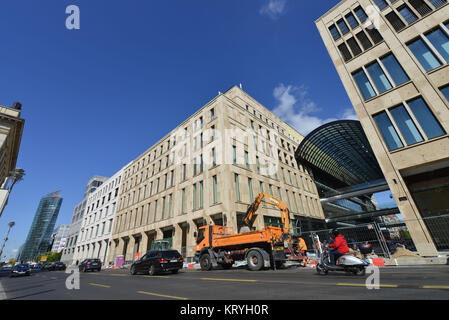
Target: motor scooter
(346, 263)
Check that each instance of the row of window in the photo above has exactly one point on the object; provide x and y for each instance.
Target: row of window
(405, 15)
(105, 188)
(414, 120)
(380, 76)
(279, 195)
(348, 19)
(197, 125)
(89, 233)
(93, 217)
(432, 48)
(362, 41)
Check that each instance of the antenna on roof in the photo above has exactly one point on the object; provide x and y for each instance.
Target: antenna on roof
(240, 85)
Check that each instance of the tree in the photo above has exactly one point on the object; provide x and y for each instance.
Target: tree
(51, 256)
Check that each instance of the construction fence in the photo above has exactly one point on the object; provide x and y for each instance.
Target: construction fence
(386, 235)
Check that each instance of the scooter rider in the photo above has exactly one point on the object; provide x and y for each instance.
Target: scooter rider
(338, 248)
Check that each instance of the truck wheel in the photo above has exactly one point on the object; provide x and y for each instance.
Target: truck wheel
(254, 259)
(205, 262)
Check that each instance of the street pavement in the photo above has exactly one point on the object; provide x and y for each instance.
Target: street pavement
(397, 283)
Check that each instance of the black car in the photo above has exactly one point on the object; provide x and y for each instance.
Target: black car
(90, 264)
(22, 269)
(57, 266)
(156, 261)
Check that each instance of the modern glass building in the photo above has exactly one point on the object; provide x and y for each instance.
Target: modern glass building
(39, 238)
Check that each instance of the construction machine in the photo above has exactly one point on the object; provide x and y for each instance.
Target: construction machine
(264, 248)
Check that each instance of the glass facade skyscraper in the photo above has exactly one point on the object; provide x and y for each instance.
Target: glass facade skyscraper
(39, 237)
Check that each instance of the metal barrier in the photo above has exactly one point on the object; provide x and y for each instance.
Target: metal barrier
(360, 234)
(387, 234)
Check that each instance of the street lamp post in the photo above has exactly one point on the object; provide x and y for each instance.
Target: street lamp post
(11, 224)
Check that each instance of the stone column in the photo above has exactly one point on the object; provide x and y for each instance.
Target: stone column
(144, 243)
(177, 237)
(130, 250)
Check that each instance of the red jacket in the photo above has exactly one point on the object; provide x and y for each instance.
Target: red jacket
(340, 244)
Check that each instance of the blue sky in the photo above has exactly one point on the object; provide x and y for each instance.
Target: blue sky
(96, 98)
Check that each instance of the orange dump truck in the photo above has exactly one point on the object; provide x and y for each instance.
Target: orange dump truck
(263, 248)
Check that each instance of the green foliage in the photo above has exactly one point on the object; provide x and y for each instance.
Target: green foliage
(51, 256)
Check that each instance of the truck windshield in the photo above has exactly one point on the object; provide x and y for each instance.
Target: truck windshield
(200, 236)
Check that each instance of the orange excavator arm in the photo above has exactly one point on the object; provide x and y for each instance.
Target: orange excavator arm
(285, 217)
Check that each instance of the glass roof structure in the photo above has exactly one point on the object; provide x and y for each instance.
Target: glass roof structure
(339, 155)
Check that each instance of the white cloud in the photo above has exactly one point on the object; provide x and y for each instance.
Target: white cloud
(274, 8)
(295, 108)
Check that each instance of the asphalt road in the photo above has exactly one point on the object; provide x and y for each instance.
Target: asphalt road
(397, 283)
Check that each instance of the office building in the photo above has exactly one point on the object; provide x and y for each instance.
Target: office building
(39, 237)
(208, 170)
(11, 128)
(393, 60)
(96, 227)
(77, 218)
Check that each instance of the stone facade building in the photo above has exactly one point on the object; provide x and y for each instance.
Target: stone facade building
(393, 60)
(207, 171)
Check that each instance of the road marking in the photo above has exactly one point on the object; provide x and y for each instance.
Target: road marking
(119, 275)
(239, 280)
(2, 293)
(367, 285)
(156, 277)
(436, 287)
(54, 278)
(161, 295)
(99, 285)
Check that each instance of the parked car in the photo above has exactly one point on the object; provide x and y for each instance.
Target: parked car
(37, 266)
(90, 264)
(21, 269)
(55, 266)
(156, 261)
(46, 266)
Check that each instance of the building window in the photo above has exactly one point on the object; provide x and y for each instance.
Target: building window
(237, 189)
(342, 26)
(334, 32)
(355, 48)
(420, 6)
(214, 158)
(382, 4)
(407, 14)
(155, 211)
(360, 13)
(234, 155)
(374, 34)
(440, 41)
(422, 52)
(201, 194)
(437, 3)
(426, 119)
(212, 116)
(247, 159)
(387, 130)
(351, 20)
(379, 78)
(250, 188)
(170, 205)
(183, 200)
(395, 21)
(344, 52)
(363, 38)
(394, 69)
(406, 125)
(364, 85)
(214, 182)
